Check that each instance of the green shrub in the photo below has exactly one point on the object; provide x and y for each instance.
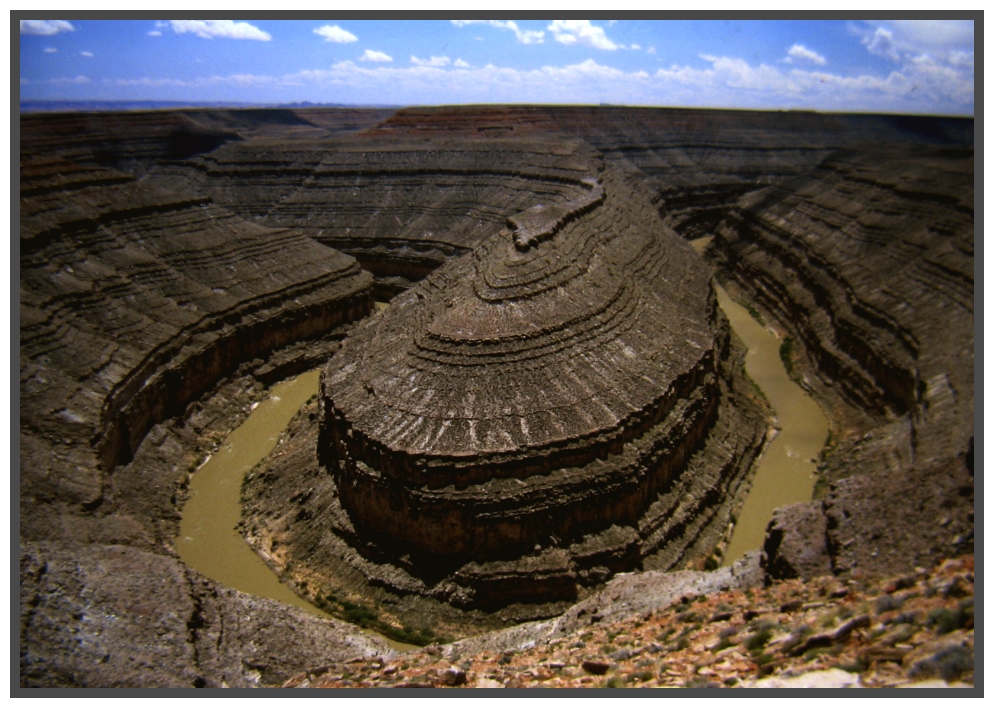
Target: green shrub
(723, 643)
(787, 354)
(947, 619)
(665, 634)
(888, 603)
(755, 642)
(856, 666)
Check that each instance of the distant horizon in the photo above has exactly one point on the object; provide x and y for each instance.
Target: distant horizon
(889, 67)
(112, 106)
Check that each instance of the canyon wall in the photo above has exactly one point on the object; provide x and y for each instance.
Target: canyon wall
(162, 252)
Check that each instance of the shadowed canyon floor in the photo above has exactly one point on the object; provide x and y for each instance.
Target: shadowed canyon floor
(552, 398)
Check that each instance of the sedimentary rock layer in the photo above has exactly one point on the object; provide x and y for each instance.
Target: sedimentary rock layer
(868, 264)
(135, 300)
(119, 617)
(401, 207)
(543, 390)
(161, 249)
(697, 162)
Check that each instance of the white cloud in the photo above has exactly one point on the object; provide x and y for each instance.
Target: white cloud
(651, 50)
(228, 29)
(334, 33)
(434, 61)
(801, 54)
(933, 34)
(523, 36)
(86, 54)
(50, 50)
(155, 33)
(239, 80)
(923, 86)
(882, 44)
(961, 59)
(45, 27)
(373, 55)
(899, 40)
(460, 64)
(78, 80)
(935, 59)
(583, 33)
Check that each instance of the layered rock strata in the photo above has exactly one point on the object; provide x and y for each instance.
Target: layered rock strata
(401, 207)
(536, 398)
(118, 617)
(867, 264)
(160, 295)
(137, 296)
(854, 234)
(697, 162)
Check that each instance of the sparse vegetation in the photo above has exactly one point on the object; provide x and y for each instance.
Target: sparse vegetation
(368, 618)
(755, 642)
(616, 682)
(787, 355)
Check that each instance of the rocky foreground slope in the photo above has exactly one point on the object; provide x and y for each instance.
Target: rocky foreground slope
(711, 630)
(161, 253)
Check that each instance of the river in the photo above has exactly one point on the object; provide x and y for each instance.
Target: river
(209, 541)
(786, 472)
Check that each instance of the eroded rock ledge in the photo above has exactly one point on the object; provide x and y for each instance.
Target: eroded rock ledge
(135, 301)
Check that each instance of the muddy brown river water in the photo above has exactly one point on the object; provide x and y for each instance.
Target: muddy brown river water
(786, 471)
(209, 542)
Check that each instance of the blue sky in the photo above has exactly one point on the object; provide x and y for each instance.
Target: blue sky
(880, 66)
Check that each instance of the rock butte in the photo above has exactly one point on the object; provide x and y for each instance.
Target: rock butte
(171, 261)
(539, 400)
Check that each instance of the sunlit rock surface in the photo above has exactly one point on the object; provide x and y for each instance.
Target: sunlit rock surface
(536, 398)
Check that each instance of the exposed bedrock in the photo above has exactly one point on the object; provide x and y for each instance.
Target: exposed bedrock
(113, 616)
(162, 251)
(402, 208)
(698, 162)
(867, 262)
(140, 140)
(134, 302)
(537, 398)
(136, 299)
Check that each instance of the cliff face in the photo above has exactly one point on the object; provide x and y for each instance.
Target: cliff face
(868, 263)
(136, 300)
(163, 252)
(401, 207)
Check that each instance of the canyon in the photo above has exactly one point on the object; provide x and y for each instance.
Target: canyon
(552, 397)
